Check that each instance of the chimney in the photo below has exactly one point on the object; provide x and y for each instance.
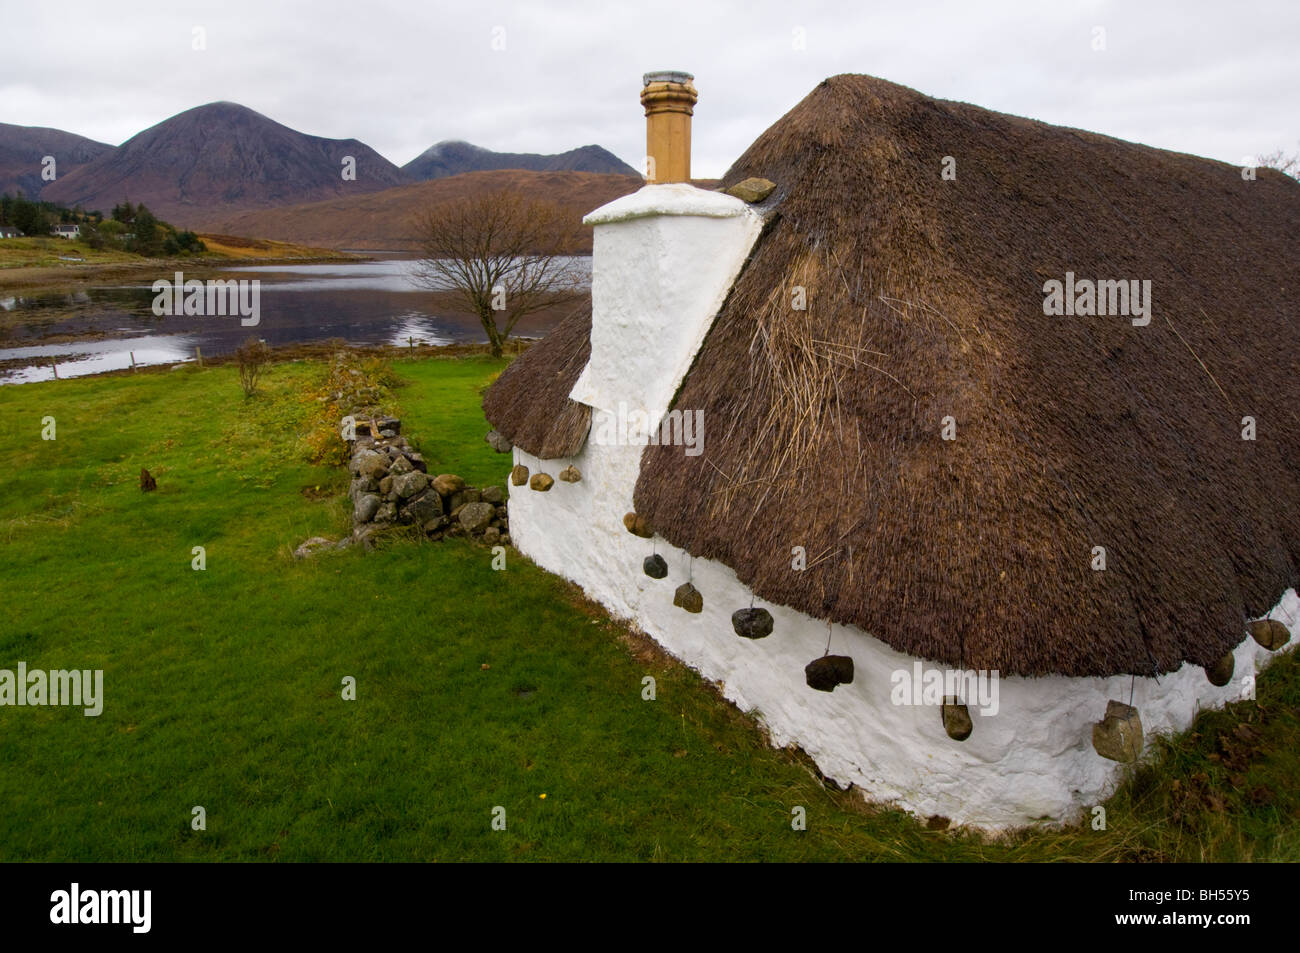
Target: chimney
(663, 260)
(669, 100)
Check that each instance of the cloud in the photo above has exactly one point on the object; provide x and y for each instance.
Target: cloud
(1200, 77)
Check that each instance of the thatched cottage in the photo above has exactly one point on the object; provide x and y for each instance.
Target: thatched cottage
(932, 437)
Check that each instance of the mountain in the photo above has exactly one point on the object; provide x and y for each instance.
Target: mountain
(224, 156)
(384, 221)
(23, 148)
(453, 158)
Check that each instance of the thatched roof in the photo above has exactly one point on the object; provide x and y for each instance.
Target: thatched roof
(529, 403)
(925, 300)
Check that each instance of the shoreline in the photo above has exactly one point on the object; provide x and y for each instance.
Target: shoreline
(34, 279)
(305, 351)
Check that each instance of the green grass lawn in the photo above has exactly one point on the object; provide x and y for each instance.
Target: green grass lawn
(223, 687)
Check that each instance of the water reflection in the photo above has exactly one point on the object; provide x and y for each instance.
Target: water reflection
(95, 357)
(364, 303)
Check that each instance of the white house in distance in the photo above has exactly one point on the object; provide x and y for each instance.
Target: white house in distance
(968, 548)
(67, 231)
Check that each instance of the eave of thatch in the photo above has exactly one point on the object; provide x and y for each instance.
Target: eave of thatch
(925, 301)
(529, 403)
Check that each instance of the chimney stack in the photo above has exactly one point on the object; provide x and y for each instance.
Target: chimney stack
(669, 100)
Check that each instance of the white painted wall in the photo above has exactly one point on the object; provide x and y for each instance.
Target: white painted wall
(663, 259)
(1032, 761)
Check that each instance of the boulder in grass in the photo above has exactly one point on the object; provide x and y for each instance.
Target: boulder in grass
(311, 547)
(497, 442)
(828, 672)
(752, 623)
(956, 719)
(519, 475)
(570, 474)
(1118, 736)
(147, 482)
(638, 525)
(655, 567)
(1270, 633)
(688, 597)
(541, 482)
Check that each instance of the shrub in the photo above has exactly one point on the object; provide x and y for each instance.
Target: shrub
(253, 355)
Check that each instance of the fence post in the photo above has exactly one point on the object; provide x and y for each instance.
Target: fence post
(54, 367)
(198, 354)
(132, 353)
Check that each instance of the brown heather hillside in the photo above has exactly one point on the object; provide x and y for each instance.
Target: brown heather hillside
(382, 220)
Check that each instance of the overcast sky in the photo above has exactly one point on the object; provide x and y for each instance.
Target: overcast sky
(1212, 78)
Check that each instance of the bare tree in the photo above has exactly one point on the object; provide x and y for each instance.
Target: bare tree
(1286, 164)
(505, 255)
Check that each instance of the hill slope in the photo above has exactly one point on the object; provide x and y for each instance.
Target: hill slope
(383, 220)
(22, 149)
(453, 158)
(222, 155)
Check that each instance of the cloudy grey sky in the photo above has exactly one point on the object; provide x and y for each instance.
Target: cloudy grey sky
(1211, 78)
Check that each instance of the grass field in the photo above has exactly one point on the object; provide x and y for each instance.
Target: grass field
(475, 688)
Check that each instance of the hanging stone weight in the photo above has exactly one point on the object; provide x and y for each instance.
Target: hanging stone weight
(1220, 673)
(519, 475)
(638, 525)
(655, 567)
(1269, 633)
(752, 623)
(1118, 736)
(570, 474)
(956, 719)
(541, 482)
(688, 598)
(828, 671)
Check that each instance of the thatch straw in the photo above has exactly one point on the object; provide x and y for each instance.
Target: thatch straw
(925, 301)
(529, 403)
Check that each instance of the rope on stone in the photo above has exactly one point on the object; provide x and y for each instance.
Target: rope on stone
(829, 624)
(1131, 686)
